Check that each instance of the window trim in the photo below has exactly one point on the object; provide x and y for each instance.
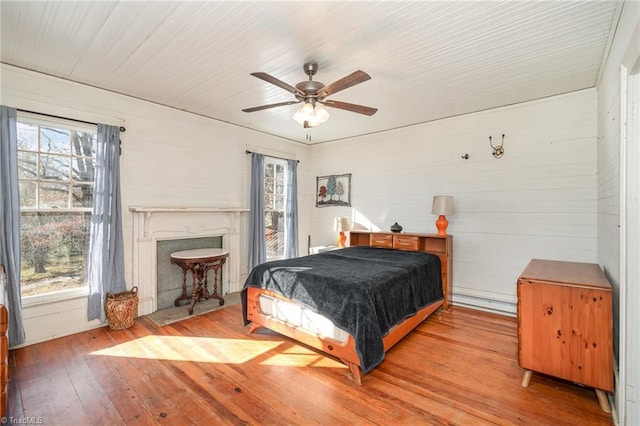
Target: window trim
(71, 125)
(56, 296)
(282, 162)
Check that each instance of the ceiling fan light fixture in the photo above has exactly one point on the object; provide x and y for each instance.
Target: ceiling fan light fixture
(312, 115)
(321, 114)
(313, 121)
(303, 113)
(307, 109)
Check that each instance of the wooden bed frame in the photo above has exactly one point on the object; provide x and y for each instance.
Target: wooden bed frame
(440, 245)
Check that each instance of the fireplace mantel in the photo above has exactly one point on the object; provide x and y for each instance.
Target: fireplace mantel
(148, 211)
(188, 209)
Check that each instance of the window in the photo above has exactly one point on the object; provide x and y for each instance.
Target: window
(275, 175)
(56, 162)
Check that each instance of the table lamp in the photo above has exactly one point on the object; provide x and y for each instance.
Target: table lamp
(442, 206)
(341, 226)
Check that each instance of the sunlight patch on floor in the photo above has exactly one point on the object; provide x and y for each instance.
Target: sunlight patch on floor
(216, 350)
(298, 356)
(196, 349)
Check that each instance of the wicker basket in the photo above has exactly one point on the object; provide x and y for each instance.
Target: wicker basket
(121, 309)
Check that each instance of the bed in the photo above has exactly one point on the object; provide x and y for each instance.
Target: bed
(353, 303)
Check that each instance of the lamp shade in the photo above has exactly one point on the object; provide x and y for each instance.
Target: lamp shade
(342, 224)
(442, 205)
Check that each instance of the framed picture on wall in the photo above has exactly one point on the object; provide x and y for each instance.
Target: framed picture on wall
(333, 190)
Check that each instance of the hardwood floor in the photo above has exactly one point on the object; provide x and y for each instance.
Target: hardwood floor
(459, 367)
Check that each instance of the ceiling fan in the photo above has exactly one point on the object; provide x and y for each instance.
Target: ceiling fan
(314, 95)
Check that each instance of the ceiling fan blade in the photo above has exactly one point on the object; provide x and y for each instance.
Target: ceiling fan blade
(352, 79)
(270, 79)
(279, 104)
(360, 109)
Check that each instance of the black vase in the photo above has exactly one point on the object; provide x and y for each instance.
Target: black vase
(395, 227)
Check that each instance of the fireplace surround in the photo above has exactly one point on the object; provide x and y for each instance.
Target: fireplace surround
(158, 224)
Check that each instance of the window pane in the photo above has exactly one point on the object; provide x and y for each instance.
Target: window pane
(268, 186)
(54, 195)
(54, 167)
(82, 196)
(279, 203)
(56, 171)
(27, 165)
(52, 248)
(27, 136)
(275, 187)
(27, 194)
(55, 140)
(268, 201)
(83, 169)
(83, 144)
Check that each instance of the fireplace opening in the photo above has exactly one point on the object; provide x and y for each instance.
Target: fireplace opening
(169, 277)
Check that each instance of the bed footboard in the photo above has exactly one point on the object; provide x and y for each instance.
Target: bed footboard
(345, 352)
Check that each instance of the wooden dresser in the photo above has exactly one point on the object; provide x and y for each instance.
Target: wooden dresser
(565, 324)
(441, 245)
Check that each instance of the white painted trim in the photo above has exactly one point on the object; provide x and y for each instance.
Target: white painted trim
(627, 387)
(188, 209)
(622, 280)
(612, 34)
(43, 299)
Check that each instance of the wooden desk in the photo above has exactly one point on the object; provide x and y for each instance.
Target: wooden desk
(565, 324)
(199, 262)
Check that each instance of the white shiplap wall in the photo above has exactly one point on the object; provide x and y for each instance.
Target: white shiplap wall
(538, 201)
(170, 158)
(627, 289)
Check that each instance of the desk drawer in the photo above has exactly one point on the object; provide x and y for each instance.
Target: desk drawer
(406, 242)
(381, 240)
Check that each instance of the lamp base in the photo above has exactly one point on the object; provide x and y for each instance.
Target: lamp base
(342, 239)
(442, 224)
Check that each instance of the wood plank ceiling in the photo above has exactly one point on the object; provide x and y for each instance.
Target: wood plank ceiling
(427, 60)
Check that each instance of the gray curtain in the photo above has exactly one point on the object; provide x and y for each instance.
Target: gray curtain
(257, 240)
(10, 220)
(291, 211)
(106, 254)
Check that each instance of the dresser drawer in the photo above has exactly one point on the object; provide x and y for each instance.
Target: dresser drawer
(406, 242)
(381, 240)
